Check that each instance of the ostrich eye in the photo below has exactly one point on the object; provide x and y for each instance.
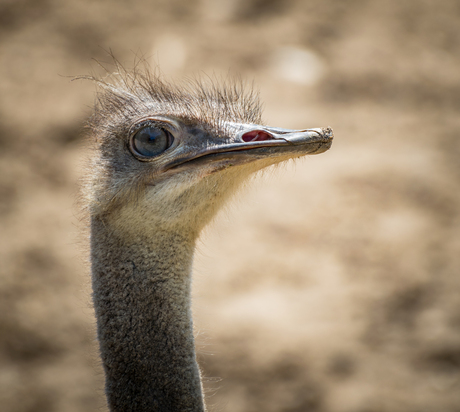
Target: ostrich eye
(151, 141)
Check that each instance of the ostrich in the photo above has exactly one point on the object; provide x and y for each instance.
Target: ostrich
(166, 158)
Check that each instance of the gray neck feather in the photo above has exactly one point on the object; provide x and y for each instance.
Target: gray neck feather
(144, 324)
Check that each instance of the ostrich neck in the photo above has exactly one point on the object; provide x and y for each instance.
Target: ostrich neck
(142, 302)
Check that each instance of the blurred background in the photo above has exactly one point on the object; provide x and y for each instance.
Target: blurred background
(329, 285)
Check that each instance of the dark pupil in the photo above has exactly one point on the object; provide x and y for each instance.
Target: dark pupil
(150, 141)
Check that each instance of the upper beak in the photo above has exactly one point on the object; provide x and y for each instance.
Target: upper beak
(252, 142)
(274, 136)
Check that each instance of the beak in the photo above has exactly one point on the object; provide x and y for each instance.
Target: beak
(253, 142)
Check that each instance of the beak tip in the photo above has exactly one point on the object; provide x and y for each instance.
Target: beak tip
(327, 132)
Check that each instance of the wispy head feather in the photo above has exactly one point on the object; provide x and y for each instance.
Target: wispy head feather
(126, 94)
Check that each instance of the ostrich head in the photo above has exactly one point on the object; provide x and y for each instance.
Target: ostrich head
(170, 156)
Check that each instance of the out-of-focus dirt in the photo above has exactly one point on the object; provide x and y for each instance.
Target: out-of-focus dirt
(330, 285)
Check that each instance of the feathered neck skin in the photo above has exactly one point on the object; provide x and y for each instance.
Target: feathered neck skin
(142, 301)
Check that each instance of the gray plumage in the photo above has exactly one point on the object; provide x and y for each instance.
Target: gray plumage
(147, 212)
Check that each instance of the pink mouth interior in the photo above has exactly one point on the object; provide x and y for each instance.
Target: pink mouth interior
(256, 136)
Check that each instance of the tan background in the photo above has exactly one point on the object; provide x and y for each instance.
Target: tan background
(331, 285)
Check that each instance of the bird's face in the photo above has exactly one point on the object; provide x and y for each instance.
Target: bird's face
(171, 170)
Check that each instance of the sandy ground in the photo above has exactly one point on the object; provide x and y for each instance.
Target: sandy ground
(331, 284)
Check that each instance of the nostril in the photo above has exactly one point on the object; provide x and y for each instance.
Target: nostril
(256, 136)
